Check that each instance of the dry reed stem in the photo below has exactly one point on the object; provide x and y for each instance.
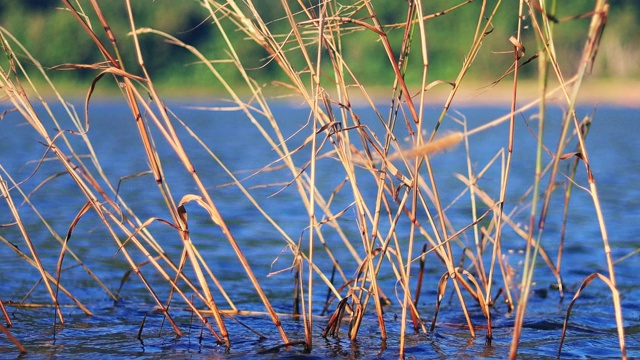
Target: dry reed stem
(63, 250)
(12, 338)
(547, 59)
(5, 315)
(440, 233)
(617, 311)
(448, 259)
(50, 277)
(584, 128)
(34, 255)
(316, 35)
(55, 151)
(190, 252)
(173, 139)
(432, 147)
(26, 200)
(400, 70)
(295, 78)
(518, 51)
(480, 34)
(255, 203)
(611, 280)
(30, 115)
(596, 27)
(487, 200)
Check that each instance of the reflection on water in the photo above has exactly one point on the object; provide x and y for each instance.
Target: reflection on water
(113, 328)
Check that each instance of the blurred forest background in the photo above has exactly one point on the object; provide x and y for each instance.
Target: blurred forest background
(54, 37)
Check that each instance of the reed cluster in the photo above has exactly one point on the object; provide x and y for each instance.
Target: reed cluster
(323, 78)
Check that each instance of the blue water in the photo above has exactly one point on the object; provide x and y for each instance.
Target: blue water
(614, 151)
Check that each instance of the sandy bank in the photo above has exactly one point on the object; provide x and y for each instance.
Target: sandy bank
(592, 92)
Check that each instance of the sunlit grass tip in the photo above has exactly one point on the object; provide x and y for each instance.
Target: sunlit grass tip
(435, 146)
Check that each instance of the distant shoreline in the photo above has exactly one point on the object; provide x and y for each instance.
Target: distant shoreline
(592, 92)
(624, 93)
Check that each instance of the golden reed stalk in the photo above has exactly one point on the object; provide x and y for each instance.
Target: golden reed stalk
(437, 145)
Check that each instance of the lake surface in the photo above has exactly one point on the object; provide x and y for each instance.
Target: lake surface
(614, 150)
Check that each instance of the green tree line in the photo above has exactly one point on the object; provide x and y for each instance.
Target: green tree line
(54, 37)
